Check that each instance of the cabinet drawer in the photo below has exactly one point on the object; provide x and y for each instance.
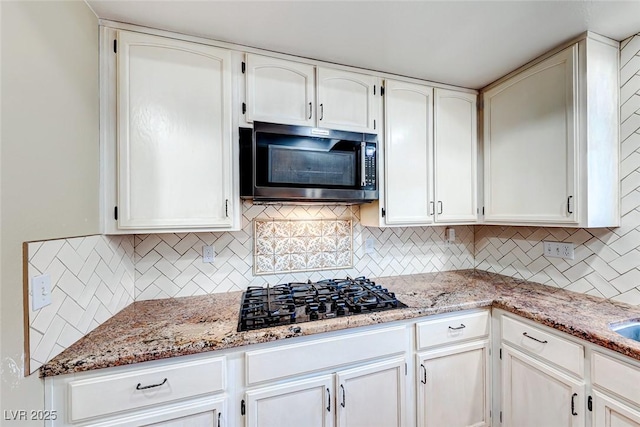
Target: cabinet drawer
(452, 329)
(562, 352)
(617, 377)
(107, 394)
(317, 355)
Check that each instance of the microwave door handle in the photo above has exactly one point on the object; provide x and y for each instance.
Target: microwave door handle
(363, 159)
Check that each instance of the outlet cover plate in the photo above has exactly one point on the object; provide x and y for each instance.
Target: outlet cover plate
(559, 250)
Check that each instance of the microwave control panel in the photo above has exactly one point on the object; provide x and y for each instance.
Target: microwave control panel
(370, 166)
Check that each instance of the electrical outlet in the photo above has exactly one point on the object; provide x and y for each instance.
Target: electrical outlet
(40, 291)
(208, 254)
(369, 246)
(559, 250)
(450, 234)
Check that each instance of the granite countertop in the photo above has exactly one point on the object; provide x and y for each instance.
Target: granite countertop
(157, 329)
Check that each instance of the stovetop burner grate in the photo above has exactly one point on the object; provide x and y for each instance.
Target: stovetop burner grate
(302, 302)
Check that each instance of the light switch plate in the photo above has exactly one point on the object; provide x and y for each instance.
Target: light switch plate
(369, 246)
(40, 291)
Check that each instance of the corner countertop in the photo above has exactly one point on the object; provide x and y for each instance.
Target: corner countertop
(158, 329)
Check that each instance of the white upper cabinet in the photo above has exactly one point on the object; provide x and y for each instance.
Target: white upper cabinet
(408, 153)
(551, 140)
(347, 100)
(430, 158)
(174, 154)
(287, 92)
(455, 156)
(280, 91)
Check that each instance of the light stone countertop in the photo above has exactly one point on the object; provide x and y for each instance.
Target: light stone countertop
(157, 329)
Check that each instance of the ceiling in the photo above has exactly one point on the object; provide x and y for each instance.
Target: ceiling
(463, 43)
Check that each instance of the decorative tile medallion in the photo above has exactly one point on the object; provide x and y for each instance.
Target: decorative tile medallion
(285, 246)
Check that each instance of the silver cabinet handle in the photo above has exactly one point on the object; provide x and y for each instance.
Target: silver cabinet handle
(431, 208)
(439, 207)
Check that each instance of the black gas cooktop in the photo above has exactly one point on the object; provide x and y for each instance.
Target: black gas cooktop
(303, 302)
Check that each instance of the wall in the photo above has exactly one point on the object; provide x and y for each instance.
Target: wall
(49, 155)
(607, 261)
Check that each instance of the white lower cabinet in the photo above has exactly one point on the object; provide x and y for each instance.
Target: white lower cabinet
(534, 394)
(365, 396)
(298, 403)
(453, 386)
(610, 412)
(371, 395)
(453, 381)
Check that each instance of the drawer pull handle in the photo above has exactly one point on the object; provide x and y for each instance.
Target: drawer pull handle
(140, 387)
(344, 399)
(457, 328)
(535, 339)
(423, 380)
(573, 404)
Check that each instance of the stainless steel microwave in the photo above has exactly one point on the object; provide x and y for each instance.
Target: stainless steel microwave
(282, 163)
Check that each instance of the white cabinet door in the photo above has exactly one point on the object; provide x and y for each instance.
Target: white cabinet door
(280, 91)
(453, 386)
(371, 395)
(609, 412)
(306, 403)
(203, 419)
(346, 100)
(408, 153)
(530, 144)
(455, 156)
(535, 394)
(174, 134)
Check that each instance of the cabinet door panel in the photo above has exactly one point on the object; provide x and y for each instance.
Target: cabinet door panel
(372, 395)
(530, 144)
(608, 412)
(453, 388)
(534, 394)
(205, 419)
(455, 153)
(174, 137)
(301, 403)
(280, 91)
(346, 100)
(408, 153)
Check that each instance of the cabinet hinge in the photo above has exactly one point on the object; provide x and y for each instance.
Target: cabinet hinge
(115, 213)
(244, 108)
(590, 403)
(226, 208)
(242, 408)
(383, 213)
(244, 67)
(115, 46)
(381, 90)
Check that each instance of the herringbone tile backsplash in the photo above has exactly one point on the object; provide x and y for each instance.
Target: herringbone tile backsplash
(94, 277)
(91, 280)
